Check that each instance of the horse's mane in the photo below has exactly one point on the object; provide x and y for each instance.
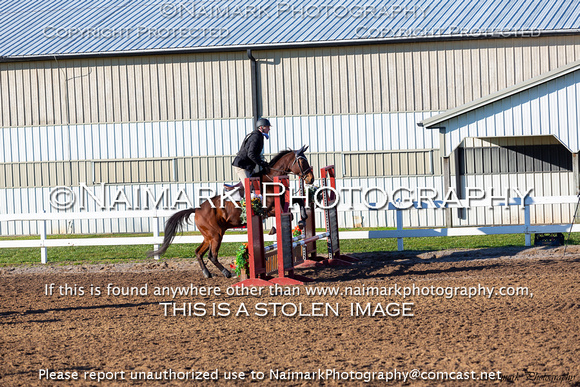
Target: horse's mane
(276, 158)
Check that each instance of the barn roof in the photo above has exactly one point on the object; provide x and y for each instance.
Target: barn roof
(37, 28)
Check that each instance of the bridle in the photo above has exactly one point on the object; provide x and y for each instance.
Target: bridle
(302, 173)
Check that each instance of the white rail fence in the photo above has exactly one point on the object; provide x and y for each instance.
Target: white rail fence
(158, 215)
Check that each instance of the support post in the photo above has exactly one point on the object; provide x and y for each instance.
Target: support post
(576, 172)
(156, 235)
(461, 212)
(527, 220)
(446, 186)
(43, 251)
(400, 245)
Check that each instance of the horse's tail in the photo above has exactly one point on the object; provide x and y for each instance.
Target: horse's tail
(173, 226)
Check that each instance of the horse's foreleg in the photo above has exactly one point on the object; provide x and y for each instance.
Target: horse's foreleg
(213, 254)
(302, 206)
(199, 253)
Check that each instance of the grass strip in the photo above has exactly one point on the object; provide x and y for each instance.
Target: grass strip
(138, 253)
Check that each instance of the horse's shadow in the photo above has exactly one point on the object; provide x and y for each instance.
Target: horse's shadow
(395, 264)
(71, 308)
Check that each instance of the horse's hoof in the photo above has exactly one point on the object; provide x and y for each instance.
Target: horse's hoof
(301, 224)
(272, 231)
(226, 273)
(206, 273)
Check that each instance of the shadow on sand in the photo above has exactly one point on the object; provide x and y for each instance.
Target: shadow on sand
(392, 264)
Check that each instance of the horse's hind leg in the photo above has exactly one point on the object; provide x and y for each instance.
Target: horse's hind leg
(199, 253)
(213, 254)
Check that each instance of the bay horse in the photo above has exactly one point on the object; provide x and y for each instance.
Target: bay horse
(213, 221)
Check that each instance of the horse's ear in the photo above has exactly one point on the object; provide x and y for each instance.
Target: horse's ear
(302, 150)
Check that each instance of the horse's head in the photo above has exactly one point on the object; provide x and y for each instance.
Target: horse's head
(301, 167)
(294, 162)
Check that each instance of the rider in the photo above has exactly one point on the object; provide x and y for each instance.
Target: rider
(250, 154)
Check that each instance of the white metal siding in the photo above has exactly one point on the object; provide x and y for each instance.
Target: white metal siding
(434, 76)
(386, 78)
(214, 137)
(128, 89)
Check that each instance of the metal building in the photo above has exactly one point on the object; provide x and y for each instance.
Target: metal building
(153, 99)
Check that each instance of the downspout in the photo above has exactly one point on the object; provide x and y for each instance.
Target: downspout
(254, 81)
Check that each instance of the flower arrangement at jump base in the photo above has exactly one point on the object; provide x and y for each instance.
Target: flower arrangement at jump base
(256, 206)
(241, 262)
(296, 231)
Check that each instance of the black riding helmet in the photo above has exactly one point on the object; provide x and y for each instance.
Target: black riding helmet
(263, 122)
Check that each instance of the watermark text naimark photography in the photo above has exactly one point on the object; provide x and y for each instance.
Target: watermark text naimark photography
(372, 198)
